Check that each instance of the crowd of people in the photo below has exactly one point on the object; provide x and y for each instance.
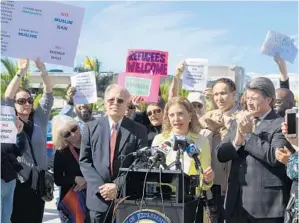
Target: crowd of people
(250, 165)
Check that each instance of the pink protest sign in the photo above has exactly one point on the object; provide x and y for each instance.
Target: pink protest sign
(144, 85)
(147, 62)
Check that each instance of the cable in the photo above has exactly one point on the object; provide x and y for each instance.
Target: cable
(160, 178)
(143, 189)
(123, 160)
(183, 180)
(122, 186)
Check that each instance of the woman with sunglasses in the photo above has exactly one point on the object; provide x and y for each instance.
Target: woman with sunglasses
(34, 158)
(67, 173)
(154, 113)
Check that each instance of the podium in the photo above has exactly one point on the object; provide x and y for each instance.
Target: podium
(178, 201)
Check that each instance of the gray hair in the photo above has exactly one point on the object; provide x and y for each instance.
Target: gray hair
(117, 86)
(59, 123)
(264, 85)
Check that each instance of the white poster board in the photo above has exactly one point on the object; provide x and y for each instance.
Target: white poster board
(195, 74)
(7, 122)
(44, 29)
(276, 42)
(86, 88)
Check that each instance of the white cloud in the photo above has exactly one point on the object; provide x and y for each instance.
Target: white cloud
(119, 27)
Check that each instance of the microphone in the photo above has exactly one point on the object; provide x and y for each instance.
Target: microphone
(180, 142)
(193, 152)
(142, 152)
(160, 154)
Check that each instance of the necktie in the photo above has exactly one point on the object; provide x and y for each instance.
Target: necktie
(112, 146)
(255, 122)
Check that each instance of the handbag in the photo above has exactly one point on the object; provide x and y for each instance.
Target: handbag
(72, 207)
(45, 181)
(291, 215)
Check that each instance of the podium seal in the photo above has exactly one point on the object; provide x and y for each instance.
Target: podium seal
(147, 216)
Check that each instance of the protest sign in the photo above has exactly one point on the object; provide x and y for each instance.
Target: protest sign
(86, 88)
(7, 122)
(276, 42)
(144, 85)
(195, 74)
(44, 29)
(147, 62)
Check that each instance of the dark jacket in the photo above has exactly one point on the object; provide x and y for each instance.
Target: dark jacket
(66, 168)
(95, 156)
(257, 181)
(9, 153)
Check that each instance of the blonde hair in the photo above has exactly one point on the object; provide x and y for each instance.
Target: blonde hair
(194, 126)
(60, 123)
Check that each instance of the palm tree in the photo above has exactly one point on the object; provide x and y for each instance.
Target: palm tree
(11, 70)
(93, 65)
(164, 89)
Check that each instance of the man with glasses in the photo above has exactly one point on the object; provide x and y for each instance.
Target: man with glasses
(258, 185)
(81, 112)
(104, 142)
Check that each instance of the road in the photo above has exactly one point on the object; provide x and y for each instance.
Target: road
(51, 214)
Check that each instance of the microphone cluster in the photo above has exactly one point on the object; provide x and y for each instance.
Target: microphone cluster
(156, 155)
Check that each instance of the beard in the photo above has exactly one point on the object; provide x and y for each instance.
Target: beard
(84, 116)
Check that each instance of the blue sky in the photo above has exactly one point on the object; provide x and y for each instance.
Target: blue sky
(225, 33)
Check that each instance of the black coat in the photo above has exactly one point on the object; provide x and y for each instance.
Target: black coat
(9, 153)
(257, 181)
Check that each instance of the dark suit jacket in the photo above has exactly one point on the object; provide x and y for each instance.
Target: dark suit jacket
(95, 156)
(257, 181)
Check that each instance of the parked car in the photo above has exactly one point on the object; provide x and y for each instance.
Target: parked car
(49, 140)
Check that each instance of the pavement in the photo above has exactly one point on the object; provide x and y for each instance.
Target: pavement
(50, 213)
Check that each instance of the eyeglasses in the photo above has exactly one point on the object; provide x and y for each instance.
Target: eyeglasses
(68, 133)
(23, 101)
(131, 107)
(155, 111)
(197, 105)
(118, 100)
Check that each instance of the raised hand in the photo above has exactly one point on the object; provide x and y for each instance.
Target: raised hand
(23, 64)
(40, 65)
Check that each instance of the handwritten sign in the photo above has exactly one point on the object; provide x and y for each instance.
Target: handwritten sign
(195, 74)
(147, 62)
(86, 88)
(276, 42)
(7, 122)
(49, 30)
(144, 85)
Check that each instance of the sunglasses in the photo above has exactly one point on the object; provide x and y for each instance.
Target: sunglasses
(131, 107)
(68, 133)
(23, 101)
(155, 111)
(118, 100)
(197, 105)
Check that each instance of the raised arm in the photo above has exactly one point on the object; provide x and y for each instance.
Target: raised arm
(283, 77)
(175, 84)
(47, 82)
(46, 102)
(14, 84)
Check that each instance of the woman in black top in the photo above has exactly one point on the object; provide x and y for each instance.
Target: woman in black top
(9, 169)
(154, 113)
(67, 140)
